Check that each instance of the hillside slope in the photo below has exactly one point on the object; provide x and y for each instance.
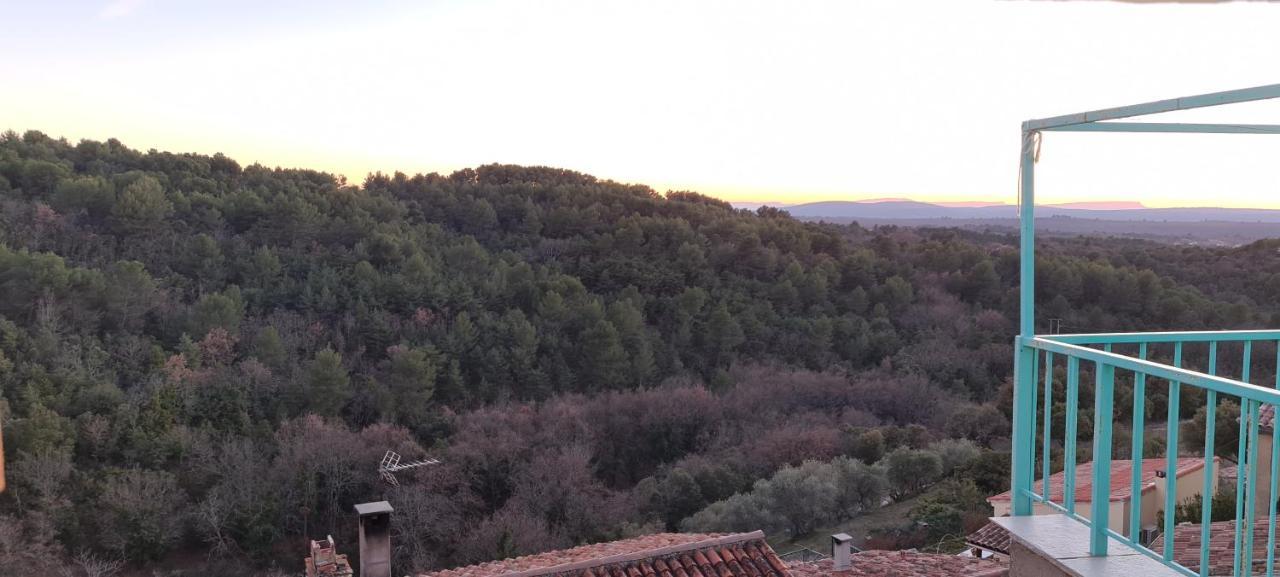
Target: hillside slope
(201, 360)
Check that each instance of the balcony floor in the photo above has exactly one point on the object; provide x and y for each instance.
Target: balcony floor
(1064, 543)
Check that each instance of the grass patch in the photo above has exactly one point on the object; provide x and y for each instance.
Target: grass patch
(891, 515)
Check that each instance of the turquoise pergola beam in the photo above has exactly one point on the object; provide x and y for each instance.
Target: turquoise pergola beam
(1169, 127)
(1170, 105)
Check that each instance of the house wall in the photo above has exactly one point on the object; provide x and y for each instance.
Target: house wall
(1152, 505)
(1191, 484)
(1024, 562)
(1187, 486)
(1261, 505)
(1117, 520)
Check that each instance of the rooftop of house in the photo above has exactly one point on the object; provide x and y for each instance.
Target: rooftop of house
(902, 564)
(1266, 418)
(1186, 547)
(716, 555)
(1121, 474)
(659, 555)
(991, 537)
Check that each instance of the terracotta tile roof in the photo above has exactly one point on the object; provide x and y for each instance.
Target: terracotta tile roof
(1186, 547)
(1121, 471)
(902, 564)
(660, 555)
(991, 537)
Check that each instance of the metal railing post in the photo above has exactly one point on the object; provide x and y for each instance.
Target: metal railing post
(1135, 452)
(1100, 506)
(1024, 433)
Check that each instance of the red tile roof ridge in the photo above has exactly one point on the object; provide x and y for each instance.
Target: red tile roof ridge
(712, 540)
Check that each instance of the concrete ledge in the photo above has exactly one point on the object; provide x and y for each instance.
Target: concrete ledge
(1064, 543)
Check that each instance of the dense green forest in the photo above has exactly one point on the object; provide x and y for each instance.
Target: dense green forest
(202, 363)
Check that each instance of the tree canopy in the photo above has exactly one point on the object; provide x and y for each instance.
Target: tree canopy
(590, 358)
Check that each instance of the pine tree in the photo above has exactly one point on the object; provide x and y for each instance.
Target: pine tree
(328, 386)
(604, 360)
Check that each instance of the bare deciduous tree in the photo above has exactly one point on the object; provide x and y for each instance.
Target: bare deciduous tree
(86, 564)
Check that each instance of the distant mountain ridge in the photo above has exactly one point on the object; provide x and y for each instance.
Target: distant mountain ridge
(891, 209)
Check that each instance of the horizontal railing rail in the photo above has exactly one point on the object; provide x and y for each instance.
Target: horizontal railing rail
(1039, 357)
(1184, 376)
(1165, 337)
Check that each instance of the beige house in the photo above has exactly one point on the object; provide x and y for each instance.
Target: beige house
(1266, 432)
(1188, 483)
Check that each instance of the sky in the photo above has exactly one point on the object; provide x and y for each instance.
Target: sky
(789, 101)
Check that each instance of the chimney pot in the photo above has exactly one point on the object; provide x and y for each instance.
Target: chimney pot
(375, 539)
(841, 552)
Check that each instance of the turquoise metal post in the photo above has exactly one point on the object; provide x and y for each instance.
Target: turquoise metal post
(1171, 468)
(1247, 461)
(1099, 516)
(1023, 428)
(1027, 241)
(1135, 484)
(1242, 470)
(1206, 492)
(1275, 476)
(1047, 457)
(1024, 385)
(1032, 425)
(1271, 513)
(1251, 492)
(1069, 440)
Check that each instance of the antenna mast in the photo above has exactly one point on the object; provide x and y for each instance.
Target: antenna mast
(391, 465)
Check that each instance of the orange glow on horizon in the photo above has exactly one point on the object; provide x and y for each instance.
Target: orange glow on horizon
(748, 102)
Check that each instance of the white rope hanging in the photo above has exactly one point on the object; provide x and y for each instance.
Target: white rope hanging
(1034, 142)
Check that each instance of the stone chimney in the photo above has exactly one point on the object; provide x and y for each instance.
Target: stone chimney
(841, 552)
(375, 539)
(325, 560)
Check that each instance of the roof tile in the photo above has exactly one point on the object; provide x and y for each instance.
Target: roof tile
(902, 564)
(715, 555)
(660, 555)
(1186, 547)
(991, 537)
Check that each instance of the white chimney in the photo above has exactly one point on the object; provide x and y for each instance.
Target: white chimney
(841, 551)
(375, 539)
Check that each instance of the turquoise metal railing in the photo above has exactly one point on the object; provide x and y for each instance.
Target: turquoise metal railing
(1105, 355)
(1098, 352)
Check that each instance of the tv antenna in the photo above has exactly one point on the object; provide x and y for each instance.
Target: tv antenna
(391, 465)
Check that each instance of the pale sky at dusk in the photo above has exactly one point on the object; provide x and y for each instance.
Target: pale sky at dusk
(755, 101)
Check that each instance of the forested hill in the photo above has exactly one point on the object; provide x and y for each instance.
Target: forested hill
(200, 357)
(499, 282)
